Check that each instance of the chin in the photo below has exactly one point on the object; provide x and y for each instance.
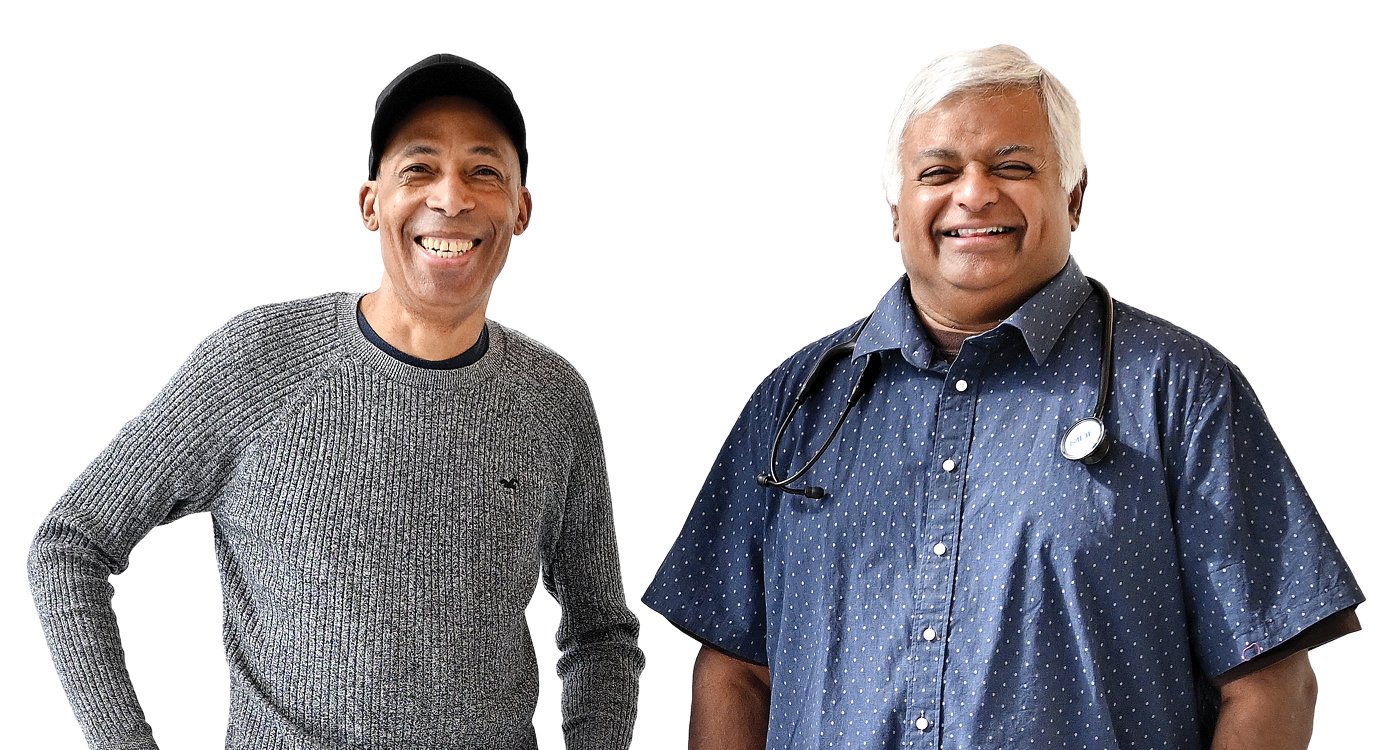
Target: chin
(977, 276)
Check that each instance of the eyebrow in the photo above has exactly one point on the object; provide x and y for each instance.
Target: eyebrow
(419, 149)
(1015, 148)
(423, 149)
(946, 153)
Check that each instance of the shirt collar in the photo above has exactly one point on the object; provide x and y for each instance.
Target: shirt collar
(1040, 320)
(1043, 318)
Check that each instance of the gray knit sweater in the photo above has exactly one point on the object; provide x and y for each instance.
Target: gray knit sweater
(379, 528)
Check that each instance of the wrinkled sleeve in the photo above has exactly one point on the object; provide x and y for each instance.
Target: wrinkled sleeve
(599, 661)
(167, 463)
(711, 584)
(1258, 564)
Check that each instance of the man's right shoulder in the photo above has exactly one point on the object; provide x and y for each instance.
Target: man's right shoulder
(278, 336)
(788, 375)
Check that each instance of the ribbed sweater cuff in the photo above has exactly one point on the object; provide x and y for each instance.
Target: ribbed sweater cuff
(146, 744)
(599, 734)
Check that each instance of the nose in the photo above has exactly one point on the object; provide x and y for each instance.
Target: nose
(976, 190)
(451, 196)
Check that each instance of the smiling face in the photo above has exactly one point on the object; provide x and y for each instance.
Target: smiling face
(446, 202)
(982, 219)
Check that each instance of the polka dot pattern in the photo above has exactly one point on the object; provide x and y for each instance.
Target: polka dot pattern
(965, 586)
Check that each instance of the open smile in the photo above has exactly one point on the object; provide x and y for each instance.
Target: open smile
(443, 247)
(977, 231)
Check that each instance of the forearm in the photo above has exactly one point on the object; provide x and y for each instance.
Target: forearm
(73, 598)
(600, 670)
(1269, 710)
(729, 703)
(599, 661)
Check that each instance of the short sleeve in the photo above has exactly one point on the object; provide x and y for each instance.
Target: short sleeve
(711, 584)
(1258, 564)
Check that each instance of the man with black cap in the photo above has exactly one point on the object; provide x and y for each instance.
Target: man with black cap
(387, 475)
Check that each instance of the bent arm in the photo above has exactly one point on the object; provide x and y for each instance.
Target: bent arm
(170, 461)
(132, 487)
(729, 703)
(1270, 709)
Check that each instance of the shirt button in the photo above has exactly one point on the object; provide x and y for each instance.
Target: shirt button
(930, 634)
(949, 465)
(921, 723)
(961, 385)
(940, 549)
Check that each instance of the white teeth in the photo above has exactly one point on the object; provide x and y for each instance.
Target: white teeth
(978, 232)
(446, 248)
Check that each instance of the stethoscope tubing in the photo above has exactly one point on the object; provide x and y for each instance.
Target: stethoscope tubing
(1086, 440)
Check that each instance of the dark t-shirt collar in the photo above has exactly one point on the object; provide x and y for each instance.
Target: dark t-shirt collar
(467, 357)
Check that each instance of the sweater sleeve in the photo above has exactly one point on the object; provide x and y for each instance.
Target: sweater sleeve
(599, 661)
(170, 461)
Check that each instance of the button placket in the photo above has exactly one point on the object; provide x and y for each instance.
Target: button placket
(951, 438)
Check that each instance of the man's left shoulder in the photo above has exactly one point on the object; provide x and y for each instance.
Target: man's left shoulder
(1143, 337)
(537, 369)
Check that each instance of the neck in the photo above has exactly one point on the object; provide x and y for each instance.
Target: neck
(964, 319)
(947, 307)
(424, 333)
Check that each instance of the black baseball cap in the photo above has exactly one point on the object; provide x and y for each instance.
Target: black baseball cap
(444, 75)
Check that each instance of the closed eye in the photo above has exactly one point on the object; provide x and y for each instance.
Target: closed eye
(1013, 171)
(938, 175)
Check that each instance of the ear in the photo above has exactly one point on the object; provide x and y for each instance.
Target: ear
(526, 205)
(1076, 200)
(894, 216)
(369, 208)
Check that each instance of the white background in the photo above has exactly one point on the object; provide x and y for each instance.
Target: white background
(707, 199)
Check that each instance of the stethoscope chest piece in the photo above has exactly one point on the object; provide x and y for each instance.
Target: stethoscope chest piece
(1086, 440)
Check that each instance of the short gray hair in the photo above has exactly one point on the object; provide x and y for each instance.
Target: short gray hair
(993, 67)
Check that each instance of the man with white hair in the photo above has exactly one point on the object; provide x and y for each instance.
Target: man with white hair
(1003, 511)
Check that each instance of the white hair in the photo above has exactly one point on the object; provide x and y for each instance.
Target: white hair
(994, 67)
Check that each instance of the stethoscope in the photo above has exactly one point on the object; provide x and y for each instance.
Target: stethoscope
(1086, 440)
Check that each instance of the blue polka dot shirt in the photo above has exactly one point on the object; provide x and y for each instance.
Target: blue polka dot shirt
(963, 585)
